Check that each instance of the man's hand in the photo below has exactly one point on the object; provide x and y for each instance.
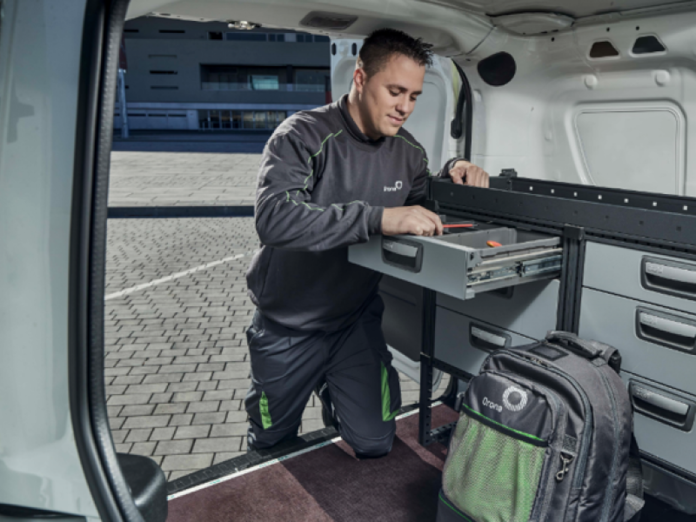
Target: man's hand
(410, 220)
(465, 173)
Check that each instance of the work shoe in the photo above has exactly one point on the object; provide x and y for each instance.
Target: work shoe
(328, 412)
(251, 438)
(288, 441)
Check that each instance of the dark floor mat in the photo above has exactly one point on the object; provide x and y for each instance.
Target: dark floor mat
(330, 485)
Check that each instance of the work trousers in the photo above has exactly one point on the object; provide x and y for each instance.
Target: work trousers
(286, 365)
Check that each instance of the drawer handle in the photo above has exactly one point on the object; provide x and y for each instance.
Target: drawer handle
(669, 277)
(402, 253)
(671, 331)
(488, 340)
(659, 406)
(673, 273)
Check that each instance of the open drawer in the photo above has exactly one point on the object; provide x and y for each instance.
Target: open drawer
(462, 264)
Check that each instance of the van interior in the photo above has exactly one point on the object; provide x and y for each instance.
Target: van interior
(581, 112)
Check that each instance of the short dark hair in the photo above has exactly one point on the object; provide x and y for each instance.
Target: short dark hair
(382, 44)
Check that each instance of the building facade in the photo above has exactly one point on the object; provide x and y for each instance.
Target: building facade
(189, 76)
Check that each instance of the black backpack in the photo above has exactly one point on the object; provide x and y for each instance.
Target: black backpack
(545, 434)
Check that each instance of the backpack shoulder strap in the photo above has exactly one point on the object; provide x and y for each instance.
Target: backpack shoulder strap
(634, 484)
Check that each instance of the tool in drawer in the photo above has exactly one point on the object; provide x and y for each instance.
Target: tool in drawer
(456, 226)
(460, 225)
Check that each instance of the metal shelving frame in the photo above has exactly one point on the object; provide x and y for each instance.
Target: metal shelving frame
(660, 224)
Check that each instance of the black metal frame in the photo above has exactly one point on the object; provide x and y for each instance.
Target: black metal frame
(654, 223)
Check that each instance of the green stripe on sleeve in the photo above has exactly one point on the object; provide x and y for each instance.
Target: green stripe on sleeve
(412, 145)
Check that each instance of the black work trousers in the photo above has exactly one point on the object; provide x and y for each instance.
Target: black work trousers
(286, 365)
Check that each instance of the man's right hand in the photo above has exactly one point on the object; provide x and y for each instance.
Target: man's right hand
(410, 220)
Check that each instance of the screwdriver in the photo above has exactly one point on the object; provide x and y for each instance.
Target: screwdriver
(460, 225)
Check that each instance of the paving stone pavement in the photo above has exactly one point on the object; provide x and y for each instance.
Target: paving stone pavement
(176, 363)
(182, 179)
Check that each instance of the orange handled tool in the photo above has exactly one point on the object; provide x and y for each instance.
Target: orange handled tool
(493, 244)
(460, 225)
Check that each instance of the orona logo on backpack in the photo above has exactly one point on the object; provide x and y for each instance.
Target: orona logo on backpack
(512, 402)
(490, 404)
(514, 399)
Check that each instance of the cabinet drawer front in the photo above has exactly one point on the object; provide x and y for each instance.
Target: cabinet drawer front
(663, 280)
(464, 342)
(465, 264)
(528, 310)
(654, 342)
(661, 437)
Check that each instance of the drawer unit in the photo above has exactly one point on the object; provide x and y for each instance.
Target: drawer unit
(655, 342)
(529, 309)
(463, 265)
(464, 342)
(663, 280)
(663, 421)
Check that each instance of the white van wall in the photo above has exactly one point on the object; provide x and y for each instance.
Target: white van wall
(620, 122)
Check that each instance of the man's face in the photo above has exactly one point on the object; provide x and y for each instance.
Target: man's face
(388, 97)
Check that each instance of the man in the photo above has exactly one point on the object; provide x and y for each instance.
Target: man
(322, 186)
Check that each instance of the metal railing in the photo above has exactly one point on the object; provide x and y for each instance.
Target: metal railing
(263, 86)
(220, 120)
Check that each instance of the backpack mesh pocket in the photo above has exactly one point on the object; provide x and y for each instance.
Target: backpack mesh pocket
(491, 476)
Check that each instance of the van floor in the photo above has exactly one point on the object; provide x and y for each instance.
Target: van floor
(328, 484)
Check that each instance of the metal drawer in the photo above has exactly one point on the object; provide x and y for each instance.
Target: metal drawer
(663, 422)
(464, 342)
(462, 265)
(655, 342)
(529, 309)
(663, 280)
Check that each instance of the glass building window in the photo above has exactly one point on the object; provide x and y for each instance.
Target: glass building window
(251, 78)
(246, 36)
(264, 83)
(312, 80)
(242, 78)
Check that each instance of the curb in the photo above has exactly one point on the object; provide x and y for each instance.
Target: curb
(181, 212)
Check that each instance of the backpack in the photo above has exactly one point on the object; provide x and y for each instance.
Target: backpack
(545, 434)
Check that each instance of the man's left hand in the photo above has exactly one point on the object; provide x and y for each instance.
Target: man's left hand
(465, 173)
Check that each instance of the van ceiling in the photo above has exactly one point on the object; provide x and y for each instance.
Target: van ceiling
(573, 8)
(452, 26)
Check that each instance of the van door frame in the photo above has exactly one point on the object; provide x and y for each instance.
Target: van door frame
(102, 31)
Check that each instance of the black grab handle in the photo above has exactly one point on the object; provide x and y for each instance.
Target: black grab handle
(585, 348)
(402, 253)
(573, 343)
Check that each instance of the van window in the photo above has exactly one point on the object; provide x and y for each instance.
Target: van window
(632, 147)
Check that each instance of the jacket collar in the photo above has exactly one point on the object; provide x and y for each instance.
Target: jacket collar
(352, 127)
